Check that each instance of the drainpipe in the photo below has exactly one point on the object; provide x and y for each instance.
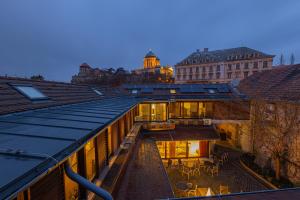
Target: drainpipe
(86, 184)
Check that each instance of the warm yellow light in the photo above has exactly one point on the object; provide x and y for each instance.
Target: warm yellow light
(194, 147)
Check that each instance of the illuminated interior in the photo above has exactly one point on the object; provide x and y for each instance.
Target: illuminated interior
(190, 109)
(153, 111)
(183, 149)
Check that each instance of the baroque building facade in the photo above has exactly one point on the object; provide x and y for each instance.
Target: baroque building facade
(221, 66)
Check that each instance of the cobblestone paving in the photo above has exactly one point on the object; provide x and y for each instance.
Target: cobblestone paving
(145, 176)
(231, 174)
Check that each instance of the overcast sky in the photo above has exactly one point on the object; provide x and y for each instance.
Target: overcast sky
(53, 37)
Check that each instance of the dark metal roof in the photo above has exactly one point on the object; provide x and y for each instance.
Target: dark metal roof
(32, 142)
(182, 132)
(219, 91)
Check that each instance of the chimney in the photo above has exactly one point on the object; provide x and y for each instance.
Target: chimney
(205, 50)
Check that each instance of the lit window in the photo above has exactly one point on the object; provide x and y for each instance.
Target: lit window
(98, 92)
(134, 91)
(211, 91)
(173, 91)
(30, 92)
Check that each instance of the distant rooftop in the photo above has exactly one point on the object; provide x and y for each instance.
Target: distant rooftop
(206, 56)
(281, 83)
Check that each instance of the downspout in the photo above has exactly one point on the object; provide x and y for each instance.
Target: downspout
(86, 184)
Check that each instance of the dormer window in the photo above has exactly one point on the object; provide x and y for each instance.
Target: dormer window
(97, 92)
(30, 92)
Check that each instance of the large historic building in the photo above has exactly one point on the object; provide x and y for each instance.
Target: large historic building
(152, 67)
(87, 74)
(221, 66)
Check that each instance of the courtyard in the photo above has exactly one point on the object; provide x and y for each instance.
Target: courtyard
(230, 177)
(148, 176)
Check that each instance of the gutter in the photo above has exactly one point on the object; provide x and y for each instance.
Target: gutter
(86, 184)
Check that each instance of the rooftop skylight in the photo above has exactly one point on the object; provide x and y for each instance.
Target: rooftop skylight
(98, 92)
(211, 91)
(134, 91)
(30, 92)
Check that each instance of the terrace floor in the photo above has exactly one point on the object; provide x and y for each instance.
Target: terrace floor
(145, 176)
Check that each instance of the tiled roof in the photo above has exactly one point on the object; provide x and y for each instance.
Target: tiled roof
(281, 83)
(59, 94)
(240, 53)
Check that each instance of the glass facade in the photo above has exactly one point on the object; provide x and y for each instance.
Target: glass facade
(153, 112)
(183, 149)
(90, 159)
(190, 110)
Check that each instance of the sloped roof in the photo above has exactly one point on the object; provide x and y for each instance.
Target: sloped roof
(59, 93)
(34, 141)
(240, 53)
(281, 83)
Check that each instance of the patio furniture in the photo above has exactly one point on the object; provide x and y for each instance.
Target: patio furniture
(187, 171)
(201, 164)
(224, 189)
(183, 187)
(214, 170)
(192, 192)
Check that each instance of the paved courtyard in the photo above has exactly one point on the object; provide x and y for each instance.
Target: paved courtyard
(147, 178)
(231, 174)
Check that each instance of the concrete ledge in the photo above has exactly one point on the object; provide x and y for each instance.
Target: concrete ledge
(259, 177)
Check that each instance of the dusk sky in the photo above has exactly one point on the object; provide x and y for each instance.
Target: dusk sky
(54, 37)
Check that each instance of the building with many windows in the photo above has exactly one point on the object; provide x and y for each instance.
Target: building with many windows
(221, 66)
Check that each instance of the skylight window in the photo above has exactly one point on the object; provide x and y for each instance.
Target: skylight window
(30, 92)
(98, 92)
(211, 91)
(134, 91)
(173, 91)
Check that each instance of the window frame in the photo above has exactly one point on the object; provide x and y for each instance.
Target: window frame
(16, 87)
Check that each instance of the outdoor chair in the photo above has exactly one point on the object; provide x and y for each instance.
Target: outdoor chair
(224, 189)
(196, 169)
(192, 192)
(214, 170)
(186, 171)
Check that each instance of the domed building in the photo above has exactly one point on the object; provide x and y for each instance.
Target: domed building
(151, 60)
(152, 69)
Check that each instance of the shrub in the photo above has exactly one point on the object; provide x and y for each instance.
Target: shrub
(266, 172)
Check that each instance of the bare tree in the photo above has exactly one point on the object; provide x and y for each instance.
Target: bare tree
(281, 61)
(274, 126)
(292, 59)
